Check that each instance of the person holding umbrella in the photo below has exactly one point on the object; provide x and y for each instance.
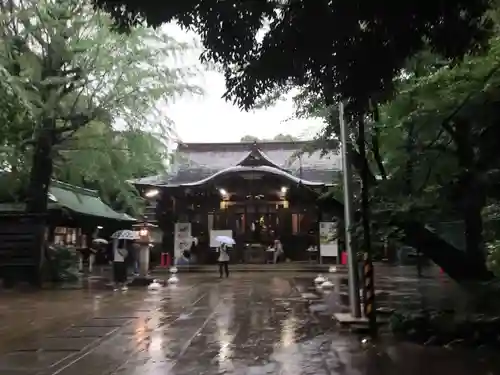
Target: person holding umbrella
(120, 253)
(223, 258)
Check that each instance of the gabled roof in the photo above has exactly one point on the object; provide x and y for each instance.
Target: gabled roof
(198, 161)
(257, 158)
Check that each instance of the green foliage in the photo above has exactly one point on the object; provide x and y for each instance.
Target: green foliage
(446, 328)
(437, 104)
(493, 259)
(61, 264)
(66, 74)
(99, 158)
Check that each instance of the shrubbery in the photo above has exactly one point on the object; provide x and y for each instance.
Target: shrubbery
(493, 248)
(446, 328)
(61, 264)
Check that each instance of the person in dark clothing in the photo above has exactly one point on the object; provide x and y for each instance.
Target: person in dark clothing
(87, 254)
(134, 250)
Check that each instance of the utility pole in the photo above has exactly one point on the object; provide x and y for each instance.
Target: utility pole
(369, 287)
(352, 258)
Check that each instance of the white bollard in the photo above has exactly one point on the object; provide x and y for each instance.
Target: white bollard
(320, 279)
(155, 285)
(327, 285)
(173, 279)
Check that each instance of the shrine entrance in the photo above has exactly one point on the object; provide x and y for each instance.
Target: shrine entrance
(260, 208)
(256, 222)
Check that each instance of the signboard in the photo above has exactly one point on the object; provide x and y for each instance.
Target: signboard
(215, 233)
(328, 244)
(182, 238)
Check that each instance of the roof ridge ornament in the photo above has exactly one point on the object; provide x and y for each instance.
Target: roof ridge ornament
(256, 157)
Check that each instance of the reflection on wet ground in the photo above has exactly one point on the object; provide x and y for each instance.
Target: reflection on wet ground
(247, 324)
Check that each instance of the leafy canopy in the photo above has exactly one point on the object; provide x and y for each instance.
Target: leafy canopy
(413, 150)
(343, 49)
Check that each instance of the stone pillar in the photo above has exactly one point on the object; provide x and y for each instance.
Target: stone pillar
(142, 249)
(144, 259)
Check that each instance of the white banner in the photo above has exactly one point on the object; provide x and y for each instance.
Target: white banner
(182, 239)
(328, 244)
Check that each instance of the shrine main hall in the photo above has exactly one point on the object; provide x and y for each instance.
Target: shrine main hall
(256, 192)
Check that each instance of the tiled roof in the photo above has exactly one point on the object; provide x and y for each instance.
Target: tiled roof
(197, 161)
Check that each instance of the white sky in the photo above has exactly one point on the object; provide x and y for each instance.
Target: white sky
(212, 119)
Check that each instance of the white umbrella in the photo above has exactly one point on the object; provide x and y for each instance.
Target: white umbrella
(225, 240)
(125, 234)
(100, 241)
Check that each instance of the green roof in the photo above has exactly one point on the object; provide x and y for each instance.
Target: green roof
(84, 201)
(76, 199)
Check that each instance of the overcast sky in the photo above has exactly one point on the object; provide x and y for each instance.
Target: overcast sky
(211, 119)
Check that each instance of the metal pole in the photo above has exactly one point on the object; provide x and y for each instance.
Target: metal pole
(348, 219)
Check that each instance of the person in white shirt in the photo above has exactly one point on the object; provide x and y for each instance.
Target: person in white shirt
(278, 251)
(223, 260)
(119, 265)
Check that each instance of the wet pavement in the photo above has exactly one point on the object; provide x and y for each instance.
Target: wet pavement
(248, 324)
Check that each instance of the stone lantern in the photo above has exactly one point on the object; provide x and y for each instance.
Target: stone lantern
(144, 241)
(143, 248)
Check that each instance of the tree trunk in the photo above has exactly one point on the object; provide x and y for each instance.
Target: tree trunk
(36, 201)
(474, 241)
(41, 173)
(471, 192)
(454, 262)
(457, 264)
(472, 204)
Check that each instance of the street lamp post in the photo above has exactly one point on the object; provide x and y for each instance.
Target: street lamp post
(348, 219)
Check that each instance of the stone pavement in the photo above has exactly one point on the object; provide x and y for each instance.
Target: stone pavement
(247, 324)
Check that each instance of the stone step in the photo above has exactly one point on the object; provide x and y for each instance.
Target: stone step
(311, 268)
